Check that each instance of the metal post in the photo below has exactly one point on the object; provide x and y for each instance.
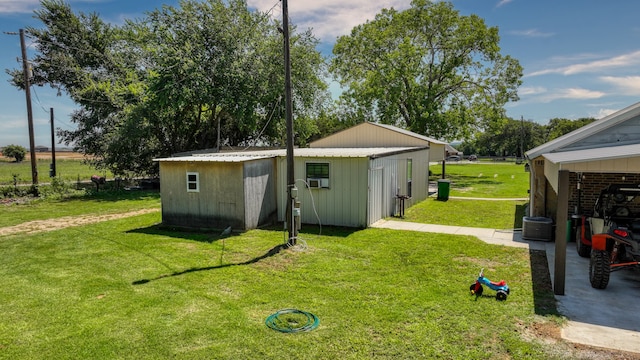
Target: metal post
(27, 89)
(53, 146)
(291, 228)
(561, 233)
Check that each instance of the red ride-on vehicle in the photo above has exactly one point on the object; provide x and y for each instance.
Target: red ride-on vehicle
(611, 236)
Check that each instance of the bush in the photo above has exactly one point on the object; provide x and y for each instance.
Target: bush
(15, 151)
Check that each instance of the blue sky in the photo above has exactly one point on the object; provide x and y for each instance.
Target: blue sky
(581, 58)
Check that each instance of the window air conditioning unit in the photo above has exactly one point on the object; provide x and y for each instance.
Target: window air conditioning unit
(317, 183)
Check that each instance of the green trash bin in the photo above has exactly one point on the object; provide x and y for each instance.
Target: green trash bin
(443, 189)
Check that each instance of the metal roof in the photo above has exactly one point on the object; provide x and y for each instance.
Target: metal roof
(585, 131)
(611, 152)
(299, 152)
(409, 133)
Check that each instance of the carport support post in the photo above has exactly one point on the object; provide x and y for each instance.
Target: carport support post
(561, 233)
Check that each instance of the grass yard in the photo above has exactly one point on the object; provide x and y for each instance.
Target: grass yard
(67, 170)
(100, 203)
(504, 214)
(486, 180)
(129, 289)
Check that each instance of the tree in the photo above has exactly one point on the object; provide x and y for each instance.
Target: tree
(511, 139)
(428, 69)
(558, 127)
(203, 75)
(14, 151)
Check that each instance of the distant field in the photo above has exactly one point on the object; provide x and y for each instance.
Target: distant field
(69, 167)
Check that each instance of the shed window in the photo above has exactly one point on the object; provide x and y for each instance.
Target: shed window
(318, 175)
(193, 182)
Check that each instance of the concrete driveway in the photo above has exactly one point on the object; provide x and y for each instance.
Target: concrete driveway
(608, 318)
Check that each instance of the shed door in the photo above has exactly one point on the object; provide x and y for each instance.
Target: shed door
(376, 195)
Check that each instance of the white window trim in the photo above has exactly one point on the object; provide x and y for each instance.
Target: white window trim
(197, 182)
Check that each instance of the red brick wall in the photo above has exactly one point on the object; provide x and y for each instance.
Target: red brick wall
(591, 185)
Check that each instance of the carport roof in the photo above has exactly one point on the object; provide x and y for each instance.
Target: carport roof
(556, 145)
(300, 152)
(577, 156)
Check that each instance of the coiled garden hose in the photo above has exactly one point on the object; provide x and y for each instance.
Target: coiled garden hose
(292, 321)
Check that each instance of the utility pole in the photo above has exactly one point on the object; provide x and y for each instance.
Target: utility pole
(27, 89)
(522, 136)
(292, 191)
(52, 172)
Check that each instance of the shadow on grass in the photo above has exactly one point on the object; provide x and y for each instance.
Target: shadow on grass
(200, 235)
(543, 298)
(273, 251)
(519, 214)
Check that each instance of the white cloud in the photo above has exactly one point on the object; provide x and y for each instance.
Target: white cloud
(543, 95)
(13, 122)
(620, 61)
(503, 2)
(572, 93)
(602, 113)
(329, 18)
(28, 6)
(22, 6)
(628, 85)
(528, 91)
(531, 33)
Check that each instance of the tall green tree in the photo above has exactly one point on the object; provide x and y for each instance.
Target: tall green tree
(512, 138)
(559, 126)
(167, 82)
(427, 69)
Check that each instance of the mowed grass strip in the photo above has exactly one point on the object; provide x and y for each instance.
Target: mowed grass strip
(96, 203)
(130, 289)
(484, 180)
(503, 214)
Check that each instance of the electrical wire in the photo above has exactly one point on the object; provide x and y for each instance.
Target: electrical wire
(313, 204)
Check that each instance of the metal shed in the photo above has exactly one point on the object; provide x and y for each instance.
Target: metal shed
(213, 191)
(363, 184)
(369, 134)
(337, 186)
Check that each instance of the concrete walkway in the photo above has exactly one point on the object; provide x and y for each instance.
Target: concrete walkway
(607, 318)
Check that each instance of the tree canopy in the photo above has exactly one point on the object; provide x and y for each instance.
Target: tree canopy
(14, 151)
(167, 82)
(427, 69)
(515, 137)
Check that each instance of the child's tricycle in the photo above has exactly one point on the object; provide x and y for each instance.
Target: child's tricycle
(501, 287)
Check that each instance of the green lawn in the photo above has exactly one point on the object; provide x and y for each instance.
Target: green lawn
(487, 180)
(504, 214)
(107, 202)
(67, 170)
(129, 289)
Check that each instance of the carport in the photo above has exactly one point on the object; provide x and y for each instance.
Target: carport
(568, 173)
